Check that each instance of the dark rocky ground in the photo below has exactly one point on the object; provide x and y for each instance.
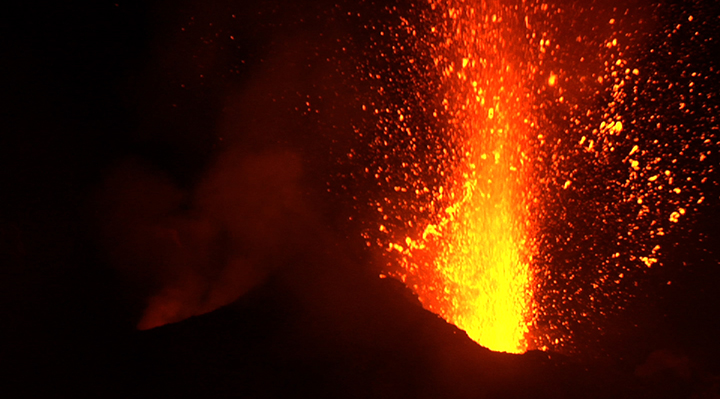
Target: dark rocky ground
(279, 342)
(264, 346)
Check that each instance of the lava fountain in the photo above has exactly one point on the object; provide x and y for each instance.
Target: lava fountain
(524, 180)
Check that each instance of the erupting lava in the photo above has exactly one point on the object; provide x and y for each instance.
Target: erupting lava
(524, 178)
(480, 279)
(471, 263)
(526, 167)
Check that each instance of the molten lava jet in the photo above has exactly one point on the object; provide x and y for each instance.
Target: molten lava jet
(480, 278)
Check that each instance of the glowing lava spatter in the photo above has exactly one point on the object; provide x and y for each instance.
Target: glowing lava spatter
(525, 182)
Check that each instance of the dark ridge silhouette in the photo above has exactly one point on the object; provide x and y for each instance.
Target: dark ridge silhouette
(276, 342)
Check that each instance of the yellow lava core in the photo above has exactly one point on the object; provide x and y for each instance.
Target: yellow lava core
(481, 279)
(485, 260)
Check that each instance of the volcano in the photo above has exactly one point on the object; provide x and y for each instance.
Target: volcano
(269, 199)
(358, 340)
